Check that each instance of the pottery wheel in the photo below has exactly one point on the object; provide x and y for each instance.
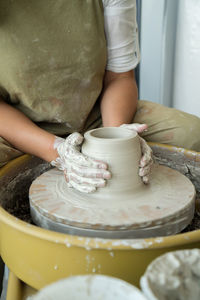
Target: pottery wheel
(165, 207)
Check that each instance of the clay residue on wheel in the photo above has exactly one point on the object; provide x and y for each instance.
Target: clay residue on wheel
(15, 189)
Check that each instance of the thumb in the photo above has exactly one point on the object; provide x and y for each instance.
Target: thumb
(75, 139)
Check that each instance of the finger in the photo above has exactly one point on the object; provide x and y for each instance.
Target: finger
(80, 159)
(145, 147)
(136, 127)
(147, 153)
(145, 170)
(101, 164)
(58, 163)
(75, 139)
(90, 173)
(96, 182)
(146, 160)
(66, 177)
(145, 179)
(82, 188)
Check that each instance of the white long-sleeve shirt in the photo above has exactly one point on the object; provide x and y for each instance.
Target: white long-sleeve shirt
(121, 35)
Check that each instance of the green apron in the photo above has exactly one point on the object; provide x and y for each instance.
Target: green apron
(53, 58)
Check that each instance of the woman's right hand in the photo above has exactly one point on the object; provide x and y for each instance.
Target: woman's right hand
(83, 173)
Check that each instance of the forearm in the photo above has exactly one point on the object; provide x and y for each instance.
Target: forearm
(119, 99)
(24, 135)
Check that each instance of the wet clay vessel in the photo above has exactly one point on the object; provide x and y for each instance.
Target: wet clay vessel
(125, 208)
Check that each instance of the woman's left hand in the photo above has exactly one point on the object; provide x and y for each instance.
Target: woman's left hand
(146, 160)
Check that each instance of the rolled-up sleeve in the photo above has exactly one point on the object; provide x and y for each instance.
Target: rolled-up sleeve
(121, 35)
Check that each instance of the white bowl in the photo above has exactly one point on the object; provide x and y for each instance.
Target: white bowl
(89, 287)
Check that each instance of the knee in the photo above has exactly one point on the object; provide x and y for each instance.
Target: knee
(187, 131)
(169, 126)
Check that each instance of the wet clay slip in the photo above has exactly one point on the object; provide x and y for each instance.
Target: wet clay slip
(125, 208)
(174, 275)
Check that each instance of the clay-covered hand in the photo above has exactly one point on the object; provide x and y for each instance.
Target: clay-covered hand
(83, 173)
(146, 160)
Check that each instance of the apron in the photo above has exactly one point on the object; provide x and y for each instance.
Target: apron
(53, 59)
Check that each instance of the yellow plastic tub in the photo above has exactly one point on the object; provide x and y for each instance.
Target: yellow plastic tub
(38, 256)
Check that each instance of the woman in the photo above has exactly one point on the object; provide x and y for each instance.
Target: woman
(65, 66)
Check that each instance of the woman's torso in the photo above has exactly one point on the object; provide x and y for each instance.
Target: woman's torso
(52, 58)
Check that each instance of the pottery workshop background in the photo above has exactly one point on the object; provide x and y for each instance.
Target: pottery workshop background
(169, 34)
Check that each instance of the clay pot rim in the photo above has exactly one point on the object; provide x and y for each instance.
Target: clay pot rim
(95, 134)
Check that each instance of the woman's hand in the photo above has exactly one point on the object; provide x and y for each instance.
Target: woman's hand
(146, 160)
(83, 173)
